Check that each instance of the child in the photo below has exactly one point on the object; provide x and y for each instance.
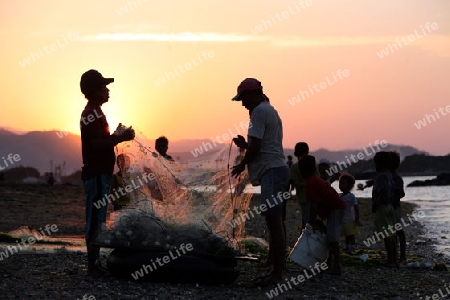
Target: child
(162, 145)
(326, 203)
(351, 214)
(399, 193)
(296, 180)
(123, 163)
(382, 198)
(324, 170)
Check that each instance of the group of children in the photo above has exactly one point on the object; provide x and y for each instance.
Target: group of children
(320, 202)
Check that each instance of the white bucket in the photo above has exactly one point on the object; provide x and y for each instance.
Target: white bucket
(311, 247)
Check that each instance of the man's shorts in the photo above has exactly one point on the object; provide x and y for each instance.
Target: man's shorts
(274, 184)
(96, 190)
(334, 222)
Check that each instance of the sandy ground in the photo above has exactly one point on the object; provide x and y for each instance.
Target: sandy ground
(63, 275)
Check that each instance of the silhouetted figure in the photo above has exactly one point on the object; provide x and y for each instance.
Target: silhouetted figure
(162, 145)
(289, 161)
(51, 179)
(382, 205)
(326, 203)
(97, 145)
(299, 183)
(399, 192)
(266, 167)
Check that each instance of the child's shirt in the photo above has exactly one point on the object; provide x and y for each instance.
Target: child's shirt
(349, 212)
(383, 190)
(326, 196)
(299, 183)
(399, 191)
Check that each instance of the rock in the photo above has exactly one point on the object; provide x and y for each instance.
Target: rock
(441, 179)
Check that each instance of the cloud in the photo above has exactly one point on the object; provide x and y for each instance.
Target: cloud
(175, 37)
(436, 44)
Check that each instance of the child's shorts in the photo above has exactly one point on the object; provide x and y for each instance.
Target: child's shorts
(384, 217)
(349, 229)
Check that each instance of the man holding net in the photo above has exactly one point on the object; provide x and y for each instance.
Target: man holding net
(97, 146)
(266, 167)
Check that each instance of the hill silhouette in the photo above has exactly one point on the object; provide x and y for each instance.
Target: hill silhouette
(38, 148)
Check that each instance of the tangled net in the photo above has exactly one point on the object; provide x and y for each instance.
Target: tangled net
(175, 203)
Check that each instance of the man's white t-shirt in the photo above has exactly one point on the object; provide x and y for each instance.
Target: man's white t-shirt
(265, 124)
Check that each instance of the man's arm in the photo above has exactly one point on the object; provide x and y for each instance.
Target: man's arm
(104, 143)
(94, 131)
(254, 145)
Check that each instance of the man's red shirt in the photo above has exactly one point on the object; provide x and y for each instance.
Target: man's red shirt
(96, 161)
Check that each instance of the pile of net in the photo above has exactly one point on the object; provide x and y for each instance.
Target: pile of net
(175, 203)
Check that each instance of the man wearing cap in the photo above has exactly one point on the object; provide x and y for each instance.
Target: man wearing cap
(97, 146)
(266, 167)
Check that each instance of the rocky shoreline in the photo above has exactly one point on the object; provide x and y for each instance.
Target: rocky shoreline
(63, 275)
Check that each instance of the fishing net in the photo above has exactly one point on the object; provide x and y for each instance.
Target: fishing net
(174, 203)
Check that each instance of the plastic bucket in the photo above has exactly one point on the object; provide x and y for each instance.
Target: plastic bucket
(311, 247)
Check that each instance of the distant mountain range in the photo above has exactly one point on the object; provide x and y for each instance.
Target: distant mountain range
(43, 149)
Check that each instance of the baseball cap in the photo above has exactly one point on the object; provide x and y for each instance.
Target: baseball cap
(91, 80)
(248, 84)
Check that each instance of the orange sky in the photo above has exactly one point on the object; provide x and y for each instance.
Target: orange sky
(291, 46)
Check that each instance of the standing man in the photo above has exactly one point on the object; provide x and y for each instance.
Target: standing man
(97, 146)
(266, 167)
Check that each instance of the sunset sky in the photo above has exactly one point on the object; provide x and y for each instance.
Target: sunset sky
(372, 69)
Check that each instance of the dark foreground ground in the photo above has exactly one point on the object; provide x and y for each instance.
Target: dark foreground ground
(63, 275)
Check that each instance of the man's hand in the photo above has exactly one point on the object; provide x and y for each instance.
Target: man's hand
(240, 142)
(238, 169)
(128, 134)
